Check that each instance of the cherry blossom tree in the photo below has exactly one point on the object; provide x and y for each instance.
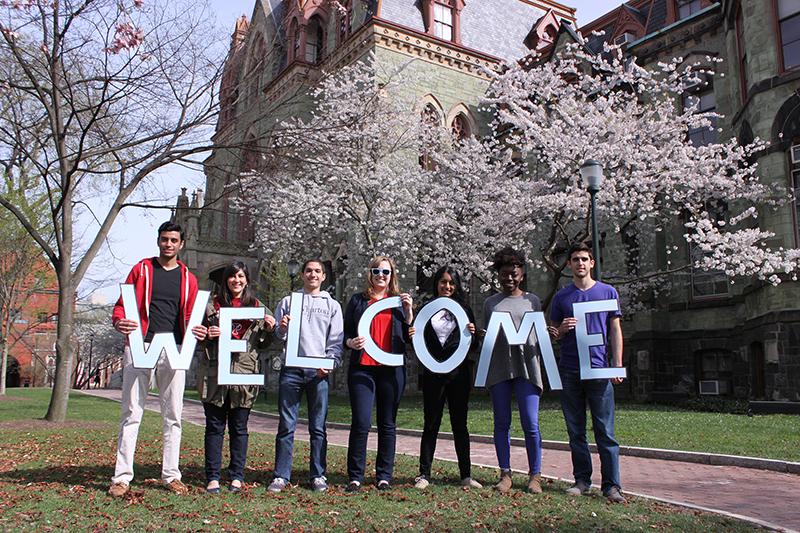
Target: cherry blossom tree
(349, 177)
(556, 114)
(97, 95)
(344, 181)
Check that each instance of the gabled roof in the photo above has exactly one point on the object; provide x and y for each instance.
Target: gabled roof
(494, 27)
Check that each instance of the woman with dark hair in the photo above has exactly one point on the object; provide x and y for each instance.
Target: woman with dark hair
(442, 338)
(370, 382)
(515, 369)
(230, 404)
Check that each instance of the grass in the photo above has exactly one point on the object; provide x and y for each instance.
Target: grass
(646, 425)
(54, 477)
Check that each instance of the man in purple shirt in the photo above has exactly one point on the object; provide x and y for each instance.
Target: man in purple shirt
(598, 393)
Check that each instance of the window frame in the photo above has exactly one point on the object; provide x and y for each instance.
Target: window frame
(437, 22)
(779, 37)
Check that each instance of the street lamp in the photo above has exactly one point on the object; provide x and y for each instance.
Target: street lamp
(592, 176)
(293, 268)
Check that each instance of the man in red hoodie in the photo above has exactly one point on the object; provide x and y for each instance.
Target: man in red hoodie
(165, 293)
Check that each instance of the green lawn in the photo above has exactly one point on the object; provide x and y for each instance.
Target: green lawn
(54, 477)
(651, 426)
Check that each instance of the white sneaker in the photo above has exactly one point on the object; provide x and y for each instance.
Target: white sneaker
(277, 485)
(421, 482)
(319, 484)
(470, 483)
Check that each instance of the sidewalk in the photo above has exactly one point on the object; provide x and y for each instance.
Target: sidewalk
(761, 496)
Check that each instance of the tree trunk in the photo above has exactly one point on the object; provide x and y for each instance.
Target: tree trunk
(4, 369)
(57, 410)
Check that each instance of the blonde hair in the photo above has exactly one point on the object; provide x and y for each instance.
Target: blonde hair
(394, 287)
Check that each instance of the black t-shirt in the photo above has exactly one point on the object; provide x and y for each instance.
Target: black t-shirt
(165, 303)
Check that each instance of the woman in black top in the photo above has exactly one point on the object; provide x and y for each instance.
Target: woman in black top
(442, 338)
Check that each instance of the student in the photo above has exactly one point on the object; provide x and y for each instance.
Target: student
(371, 382)
(442, 338)
(515, 369)
(598, 393)
(165, 294)
(230, 404)
(320, 336)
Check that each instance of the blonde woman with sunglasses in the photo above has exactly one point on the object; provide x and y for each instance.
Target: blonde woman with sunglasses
(371, 382)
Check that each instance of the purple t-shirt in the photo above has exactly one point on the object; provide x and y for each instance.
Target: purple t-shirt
(561, 308)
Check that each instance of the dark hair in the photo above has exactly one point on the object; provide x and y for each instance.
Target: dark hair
(171, 226)
(580, 247)
(508, 256)
(224, 296)
(458, 294)
(314, 260)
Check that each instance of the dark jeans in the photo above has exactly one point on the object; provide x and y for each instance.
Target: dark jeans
(599, 394)
(216, 418)
(293, 381)
(436, 390)
(527, 395)
(382, 385)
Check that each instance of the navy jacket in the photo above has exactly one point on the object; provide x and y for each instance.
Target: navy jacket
(355, 308)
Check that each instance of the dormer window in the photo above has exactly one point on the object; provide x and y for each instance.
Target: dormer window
(443, 21)
(687, 8)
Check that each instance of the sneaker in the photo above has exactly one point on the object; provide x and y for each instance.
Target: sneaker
(118, 490)
(319, 484)
(176, 486)
(505, 483)
(470, 483)
(614, 495)
(277, 485)
(421, 482)
(535, 484)
(383, 485)
(353, 486)
(580, 488)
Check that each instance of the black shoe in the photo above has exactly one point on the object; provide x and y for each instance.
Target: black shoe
(353, 486)
(383, 485)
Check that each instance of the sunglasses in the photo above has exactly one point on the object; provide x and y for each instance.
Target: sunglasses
(379, 271)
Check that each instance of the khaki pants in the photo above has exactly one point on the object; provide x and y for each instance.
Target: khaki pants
(135, 385)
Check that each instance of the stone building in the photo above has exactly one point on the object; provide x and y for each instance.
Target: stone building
(711, 336)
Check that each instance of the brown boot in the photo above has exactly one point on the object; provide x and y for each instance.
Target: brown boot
(535, 484)
(504, 485)
(176, 486)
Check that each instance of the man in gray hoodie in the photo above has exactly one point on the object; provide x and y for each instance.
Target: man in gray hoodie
(321, 335)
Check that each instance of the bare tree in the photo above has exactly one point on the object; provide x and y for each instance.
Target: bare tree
(97, 96)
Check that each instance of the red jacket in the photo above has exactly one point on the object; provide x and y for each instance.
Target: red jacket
(141, 277)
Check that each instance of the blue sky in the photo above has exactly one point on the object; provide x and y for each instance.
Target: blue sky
(134, 234)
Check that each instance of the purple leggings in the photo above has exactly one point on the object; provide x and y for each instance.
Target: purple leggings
(528, 402)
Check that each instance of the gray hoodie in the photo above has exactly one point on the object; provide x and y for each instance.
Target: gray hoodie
(321, 331)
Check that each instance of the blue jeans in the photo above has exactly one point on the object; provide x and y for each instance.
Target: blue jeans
(528, 403)
(293, 381)
(384, 386)
(599, 394)
(216, 418)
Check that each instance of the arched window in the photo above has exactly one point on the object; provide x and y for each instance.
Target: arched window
(315, 41)
(430, 118)
(460, 127)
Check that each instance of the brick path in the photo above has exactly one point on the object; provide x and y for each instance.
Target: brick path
(769, 498)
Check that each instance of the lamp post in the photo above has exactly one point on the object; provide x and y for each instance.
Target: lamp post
(592, 176)
(293, 268)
